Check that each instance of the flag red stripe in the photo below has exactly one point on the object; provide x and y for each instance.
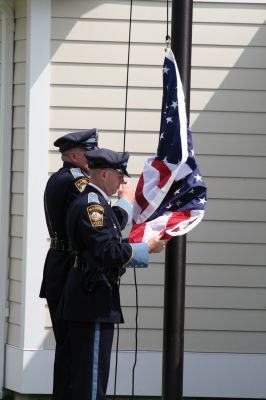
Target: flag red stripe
(142, 201)
(137, 233)
(175, 219)
(164, 172)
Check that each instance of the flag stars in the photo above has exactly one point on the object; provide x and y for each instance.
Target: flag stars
(166, 108)
(174, 104)
(198, 177)
(165, 70)
(202, 200)
(186, 193)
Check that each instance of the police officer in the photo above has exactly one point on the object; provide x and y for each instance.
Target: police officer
(62, 188)
(91, 302)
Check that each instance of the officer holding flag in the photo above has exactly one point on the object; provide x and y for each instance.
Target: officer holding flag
(91, 301)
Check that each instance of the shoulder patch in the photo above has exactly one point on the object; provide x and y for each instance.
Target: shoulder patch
(93, 198)
(76, 172)
(95, 214)
(81, 184)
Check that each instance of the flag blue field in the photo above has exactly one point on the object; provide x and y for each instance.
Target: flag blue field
(171, 195)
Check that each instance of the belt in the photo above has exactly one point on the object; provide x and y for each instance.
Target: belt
(59, 244)
(90, 276)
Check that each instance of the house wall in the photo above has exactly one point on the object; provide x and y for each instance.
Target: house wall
(6, 80)
(0, 41)
(2, 300)
(228, 122)
(226, 254)
(225, 272)
(17, 178)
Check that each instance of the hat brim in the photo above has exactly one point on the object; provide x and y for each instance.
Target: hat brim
(124, 172)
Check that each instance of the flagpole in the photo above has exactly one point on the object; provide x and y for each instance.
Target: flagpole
(175, 256)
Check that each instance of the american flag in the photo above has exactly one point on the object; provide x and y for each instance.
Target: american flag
(171, 195)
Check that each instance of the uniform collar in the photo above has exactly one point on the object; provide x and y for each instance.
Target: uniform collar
(102, 192)
(67, 164)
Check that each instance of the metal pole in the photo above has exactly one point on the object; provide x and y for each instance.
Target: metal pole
(181, 40)
(175, 256)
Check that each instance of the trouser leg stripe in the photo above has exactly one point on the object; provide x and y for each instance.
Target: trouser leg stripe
(95, 360)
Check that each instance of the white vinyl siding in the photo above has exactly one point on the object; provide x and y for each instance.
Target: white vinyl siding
(0, 52)
(228, 123)
(3, 284)
(17, 178)
(226, 275)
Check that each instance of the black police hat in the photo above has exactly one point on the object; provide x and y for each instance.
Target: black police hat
(106, 158)
(83, 139)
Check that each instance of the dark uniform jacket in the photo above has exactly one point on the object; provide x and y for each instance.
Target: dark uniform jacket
(62, 188)
(95, 234)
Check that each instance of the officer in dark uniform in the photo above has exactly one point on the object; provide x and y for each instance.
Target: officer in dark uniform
(62, 188)
(91, 302)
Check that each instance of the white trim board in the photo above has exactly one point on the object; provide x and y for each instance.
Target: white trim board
(36, 167)
(6, 14)
(205, 374)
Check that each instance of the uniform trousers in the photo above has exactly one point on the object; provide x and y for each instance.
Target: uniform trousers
(91, 345)
(62, 362)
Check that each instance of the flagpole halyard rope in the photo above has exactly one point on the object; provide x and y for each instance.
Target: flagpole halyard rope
(168, 42)
(168, 37)
(124, 146)
(127, 76)
(116, 357)
(135, 279)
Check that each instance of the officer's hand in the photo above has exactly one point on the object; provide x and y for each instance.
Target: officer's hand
(126, 192)
(156, 245)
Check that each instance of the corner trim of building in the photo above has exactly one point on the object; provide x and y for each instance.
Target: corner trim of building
(6, 76)
(205, 374)
(35, 168)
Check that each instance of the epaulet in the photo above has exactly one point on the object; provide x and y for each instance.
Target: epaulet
(93, 198)
(76, 172)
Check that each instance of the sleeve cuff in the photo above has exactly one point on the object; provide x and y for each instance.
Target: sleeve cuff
(123, 203)
(140, 256)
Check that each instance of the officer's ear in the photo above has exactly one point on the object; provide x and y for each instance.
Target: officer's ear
(69, 155)
(104, 173)
(76, 155)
